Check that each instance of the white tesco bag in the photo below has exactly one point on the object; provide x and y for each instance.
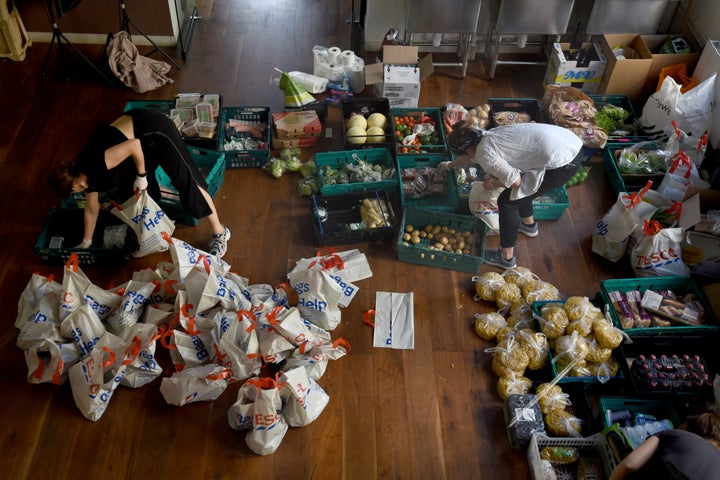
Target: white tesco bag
(315, 361)
(657, 252)
(681, 174)
(147, 220)
(483, 204)
(303, 399)
(689, 110)
(612, 233)
(268, 423)
(96, 377)
(198, 384)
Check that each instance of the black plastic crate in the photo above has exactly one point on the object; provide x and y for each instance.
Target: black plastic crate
(245, 157)
(337, 219)
(515, 106)
(366, 107)
(65, 226)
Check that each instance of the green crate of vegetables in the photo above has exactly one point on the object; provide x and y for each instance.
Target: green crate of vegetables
(615, 114)
(464, 233)
(423, 184)
(630, 166)
(429, 139)
(352, 171)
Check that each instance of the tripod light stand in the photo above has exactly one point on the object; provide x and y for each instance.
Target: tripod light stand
(125, 24)
(56, 10)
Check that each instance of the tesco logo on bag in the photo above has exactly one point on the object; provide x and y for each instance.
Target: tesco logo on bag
(666, 255)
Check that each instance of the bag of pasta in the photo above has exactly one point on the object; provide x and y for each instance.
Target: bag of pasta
(563, 424)
(539, 290)
(513, 384)
(536, 346)
(552, 320)
(487, 324)
(486, 285)
(551, 397)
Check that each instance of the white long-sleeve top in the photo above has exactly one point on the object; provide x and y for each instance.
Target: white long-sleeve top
(526, 151)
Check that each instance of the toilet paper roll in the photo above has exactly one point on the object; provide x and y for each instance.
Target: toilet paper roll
(334, 73)
(356, 73)
(347, 57)
(333, 55)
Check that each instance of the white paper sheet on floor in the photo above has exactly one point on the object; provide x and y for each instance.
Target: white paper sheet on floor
(394, 320)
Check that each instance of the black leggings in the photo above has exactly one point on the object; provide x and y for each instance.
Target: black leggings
(511, 211)
(163, 147)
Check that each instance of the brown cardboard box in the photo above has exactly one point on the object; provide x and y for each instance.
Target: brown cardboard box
(700, 251)
(398, 78)
(625, 76)
(712, 294)
(661, 60)
(296, 124)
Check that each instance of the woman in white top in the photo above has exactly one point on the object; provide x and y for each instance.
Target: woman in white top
(529, 160)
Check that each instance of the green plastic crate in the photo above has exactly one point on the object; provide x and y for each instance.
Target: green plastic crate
(679, 285)
(165, 107)
(447, 201)
(661, 408)
(421, 254)
(340, 160)
(587, 380)
(635, 134)
(241, 158)
(211, 164)
(418, 113)
(551, 205)
(625, 182)
(67, 223)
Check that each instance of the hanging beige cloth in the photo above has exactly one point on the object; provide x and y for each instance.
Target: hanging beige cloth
(138, 72)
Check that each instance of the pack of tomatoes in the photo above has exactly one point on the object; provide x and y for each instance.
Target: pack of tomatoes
(418, 130)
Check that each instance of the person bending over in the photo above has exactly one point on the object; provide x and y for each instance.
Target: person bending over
(688, 454)
(122, 157)
(528, 160)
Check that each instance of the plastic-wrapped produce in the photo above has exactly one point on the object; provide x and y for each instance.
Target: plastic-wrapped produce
(551, 397)
(488, 324)
(520, 276)
(487, 284)
(563, 424)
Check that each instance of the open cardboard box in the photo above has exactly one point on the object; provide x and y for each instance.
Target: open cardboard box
(296, 124)
(700, 251)
(661, 60)
(625, 76)
(398, 78)
(563, 71)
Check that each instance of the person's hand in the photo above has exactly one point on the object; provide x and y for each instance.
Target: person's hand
(141, 182)
(85, 244)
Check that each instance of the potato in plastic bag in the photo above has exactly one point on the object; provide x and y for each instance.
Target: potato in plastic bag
(509, 352)
(571, 346)
(576, 307)
(607, 335)
(538, 290)
(551, 397)
(513, 384)
(501, 370)
(536, 346)
(506, 295)
(487, 324)
(520, 276)
(553, 320)
(487, 284)
(597, 353)
(563, 423)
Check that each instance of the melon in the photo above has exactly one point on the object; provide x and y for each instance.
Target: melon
(356, 120)
(356, 135)
(377, 119)
(375, 135)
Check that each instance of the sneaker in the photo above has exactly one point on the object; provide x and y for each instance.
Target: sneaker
(529, 230)
(218, 244)
(495, 258)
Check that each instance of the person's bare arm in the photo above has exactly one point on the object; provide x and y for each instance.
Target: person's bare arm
(636, 459)
(92, 210)
(116, 154)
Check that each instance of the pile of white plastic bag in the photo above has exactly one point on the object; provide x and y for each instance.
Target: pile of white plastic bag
(218, 329)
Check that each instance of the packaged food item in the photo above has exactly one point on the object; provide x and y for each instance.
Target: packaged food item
(563, 455)
(488, 324)
(523, 418)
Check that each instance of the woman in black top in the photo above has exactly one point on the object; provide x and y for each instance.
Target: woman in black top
(691, 454)
(122, 157)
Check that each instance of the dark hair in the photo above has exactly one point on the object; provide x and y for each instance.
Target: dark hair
(463, 137)
(707, 425)
(61, 179)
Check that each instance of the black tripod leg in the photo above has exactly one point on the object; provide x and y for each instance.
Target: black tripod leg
(127, 22)
(45, 62)
(87, 60)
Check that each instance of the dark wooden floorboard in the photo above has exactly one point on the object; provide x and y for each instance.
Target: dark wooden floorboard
(431, 412)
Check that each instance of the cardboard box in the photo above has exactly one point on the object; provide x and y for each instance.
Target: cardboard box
(712, 294)
(296, 124)
(280, 143)
(563, 69)
(552, 78)
(661, 60)
(625, 76)
(399, 77)
(700, 251)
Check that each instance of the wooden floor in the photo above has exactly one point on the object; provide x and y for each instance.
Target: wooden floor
(428, 413)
